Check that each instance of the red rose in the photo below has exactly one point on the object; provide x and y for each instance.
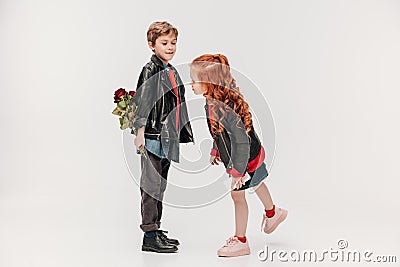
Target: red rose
(118, 94)
(132, 93)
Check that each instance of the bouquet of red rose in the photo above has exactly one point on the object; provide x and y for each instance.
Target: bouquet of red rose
(126, 109)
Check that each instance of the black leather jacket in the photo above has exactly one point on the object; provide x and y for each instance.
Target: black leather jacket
(157, 103)
(236, 148)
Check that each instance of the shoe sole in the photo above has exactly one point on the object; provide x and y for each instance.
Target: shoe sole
(280, 219)
(150, 249)
(242, 252)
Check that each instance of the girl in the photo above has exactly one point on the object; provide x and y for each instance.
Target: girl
(236, 145)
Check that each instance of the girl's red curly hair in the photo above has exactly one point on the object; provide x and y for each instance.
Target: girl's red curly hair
(213, 71)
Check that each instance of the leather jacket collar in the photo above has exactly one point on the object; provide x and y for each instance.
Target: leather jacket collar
(158, 61)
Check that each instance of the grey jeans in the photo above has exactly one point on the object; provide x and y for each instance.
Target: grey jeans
(153, 182)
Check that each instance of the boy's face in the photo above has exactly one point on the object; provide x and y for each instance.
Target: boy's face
(165, 47)
(197, 87)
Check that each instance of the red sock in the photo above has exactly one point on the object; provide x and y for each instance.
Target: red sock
(270, 213)
(241, 238)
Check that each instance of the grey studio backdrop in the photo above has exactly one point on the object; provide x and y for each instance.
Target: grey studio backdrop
(327, 69)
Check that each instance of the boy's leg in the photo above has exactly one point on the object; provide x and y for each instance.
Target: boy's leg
(150, 182)
(165, 164)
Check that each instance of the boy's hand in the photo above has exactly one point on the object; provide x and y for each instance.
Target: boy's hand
(237, 182)
(139, 139)
(214, 160)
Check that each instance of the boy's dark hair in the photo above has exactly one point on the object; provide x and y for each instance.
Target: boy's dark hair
(160, 28)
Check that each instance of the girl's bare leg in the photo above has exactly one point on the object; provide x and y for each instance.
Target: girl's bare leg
(241, 212)
(264, 195)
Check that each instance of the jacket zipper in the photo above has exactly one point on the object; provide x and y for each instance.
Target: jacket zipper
(226, 149)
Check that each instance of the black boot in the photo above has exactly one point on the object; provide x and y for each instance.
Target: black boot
(166, 239)
(156, 244)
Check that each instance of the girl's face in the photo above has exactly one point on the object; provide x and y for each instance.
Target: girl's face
(198, 88)
(165, 47)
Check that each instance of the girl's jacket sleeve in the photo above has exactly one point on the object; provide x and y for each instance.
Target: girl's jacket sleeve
(240, 144)
(214, 150)
(146, 97)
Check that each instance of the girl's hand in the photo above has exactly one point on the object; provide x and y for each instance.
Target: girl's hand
(237, 182)
(139, 139)
(214, 160)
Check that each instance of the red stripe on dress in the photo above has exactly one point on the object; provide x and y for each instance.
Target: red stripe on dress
(257, 162)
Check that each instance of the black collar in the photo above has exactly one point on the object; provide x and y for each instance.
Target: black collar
(158, 61)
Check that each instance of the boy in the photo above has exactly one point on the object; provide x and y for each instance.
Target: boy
(161, 123)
